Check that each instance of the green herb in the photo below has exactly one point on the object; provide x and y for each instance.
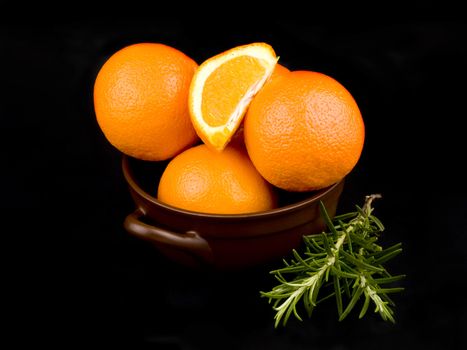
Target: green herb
(346, 261)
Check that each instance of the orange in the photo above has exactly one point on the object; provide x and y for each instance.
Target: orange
(304, 131)
(203, 180)
(140, 100)
(279, 72)
(223, 87)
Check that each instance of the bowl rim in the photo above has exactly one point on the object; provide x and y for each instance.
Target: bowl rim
(129, 177)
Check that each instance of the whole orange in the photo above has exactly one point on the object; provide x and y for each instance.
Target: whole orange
(279, 72)
(304, 131)
(141, 101)
(203, 180)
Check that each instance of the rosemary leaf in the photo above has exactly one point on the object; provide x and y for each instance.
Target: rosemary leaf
(325, 241)
(337, 291)
(390, 290)
(356, 295)
(316, 246)
(346, 216)
(386, 257)
(392, 279)
(387, 250)
(377, 222)
(360, 263)
(365, 306)
(327, 220)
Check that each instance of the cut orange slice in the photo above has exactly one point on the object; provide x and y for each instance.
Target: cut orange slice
(223, 87)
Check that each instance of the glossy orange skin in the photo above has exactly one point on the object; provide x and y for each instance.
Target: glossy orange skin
(141, 101)
(207, 181)
(304, 131)
(279, 72)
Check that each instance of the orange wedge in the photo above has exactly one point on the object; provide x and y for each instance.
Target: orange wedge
(223, 87)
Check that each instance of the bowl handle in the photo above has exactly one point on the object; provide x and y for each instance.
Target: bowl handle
(190, 241)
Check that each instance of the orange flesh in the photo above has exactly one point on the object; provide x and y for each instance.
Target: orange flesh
(223, 89)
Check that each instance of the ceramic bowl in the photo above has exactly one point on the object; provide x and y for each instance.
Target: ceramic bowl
(226, 242)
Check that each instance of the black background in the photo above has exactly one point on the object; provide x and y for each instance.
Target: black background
(78, 277)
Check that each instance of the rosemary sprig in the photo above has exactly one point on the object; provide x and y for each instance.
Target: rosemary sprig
(347, 260)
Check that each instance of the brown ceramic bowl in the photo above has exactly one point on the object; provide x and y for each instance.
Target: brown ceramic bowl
(221, 241)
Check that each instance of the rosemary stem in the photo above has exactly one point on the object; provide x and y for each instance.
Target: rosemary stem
(349, 255)
(371, 293)
(381, 306)
(338, 245)
(331, 260)
(311, 283)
